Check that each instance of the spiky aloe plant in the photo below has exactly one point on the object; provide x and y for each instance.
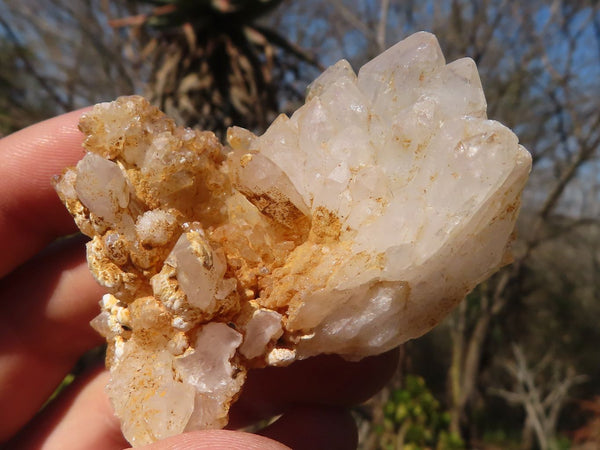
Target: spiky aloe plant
(213, 65)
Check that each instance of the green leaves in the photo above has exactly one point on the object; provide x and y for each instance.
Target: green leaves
(413, 416)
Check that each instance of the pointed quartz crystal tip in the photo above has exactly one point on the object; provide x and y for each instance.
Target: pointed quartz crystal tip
(350, 227)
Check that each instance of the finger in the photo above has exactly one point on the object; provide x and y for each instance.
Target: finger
(81, 417)
(31, 214)
(321, 380)
(301, 428)
(314, 428)
(329, 428)
(217, 440)
(44, 328)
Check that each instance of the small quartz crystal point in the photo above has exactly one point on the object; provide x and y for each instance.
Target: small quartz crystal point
(350, 227)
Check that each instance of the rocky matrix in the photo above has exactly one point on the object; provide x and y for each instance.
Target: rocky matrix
(349, 228)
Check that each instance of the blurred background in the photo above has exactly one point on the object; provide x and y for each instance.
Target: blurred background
(517, 365)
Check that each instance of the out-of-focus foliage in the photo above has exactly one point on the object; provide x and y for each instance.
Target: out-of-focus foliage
(206, 63)
(214, 64)
(16, 106)
(59, 55)
(414, 420)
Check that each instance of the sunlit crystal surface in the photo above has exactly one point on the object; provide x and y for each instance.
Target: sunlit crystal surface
(350, 227)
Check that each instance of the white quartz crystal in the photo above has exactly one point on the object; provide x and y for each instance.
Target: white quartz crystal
(350, 227)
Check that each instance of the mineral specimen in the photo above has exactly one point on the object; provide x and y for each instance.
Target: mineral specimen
(352, 226)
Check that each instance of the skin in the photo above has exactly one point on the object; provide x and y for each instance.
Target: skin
(48, 298)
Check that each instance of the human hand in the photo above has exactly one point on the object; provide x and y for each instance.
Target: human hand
(48, 297)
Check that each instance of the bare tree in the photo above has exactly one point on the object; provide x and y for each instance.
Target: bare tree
(547, 104)
(64, 56)
(541, 390)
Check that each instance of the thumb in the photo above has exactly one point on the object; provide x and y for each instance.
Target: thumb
(217, 440)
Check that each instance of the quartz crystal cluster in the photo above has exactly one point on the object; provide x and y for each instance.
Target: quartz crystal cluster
(350, 227)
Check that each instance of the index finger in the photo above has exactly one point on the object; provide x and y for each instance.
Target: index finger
(31, 215)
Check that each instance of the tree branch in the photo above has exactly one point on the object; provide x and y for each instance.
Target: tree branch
(31, 68)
